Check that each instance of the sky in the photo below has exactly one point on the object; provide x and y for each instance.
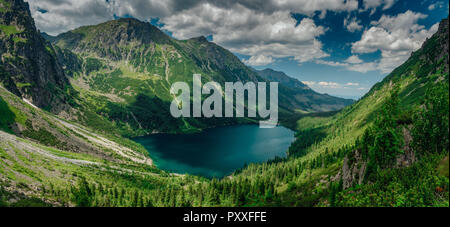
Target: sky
(338, 47)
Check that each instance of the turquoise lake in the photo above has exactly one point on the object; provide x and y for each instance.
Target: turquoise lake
(217, 152)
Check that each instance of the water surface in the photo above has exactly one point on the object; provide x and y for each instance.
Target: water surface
(217, 152)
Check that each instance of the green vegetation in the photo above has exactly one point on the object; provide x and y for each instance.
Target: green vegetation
(113, 73)
(43, 136)
(415, 186)
(7, 116)
(383, 142)
(397, 135)
(431, 130)
(9, 29)
(22, 85)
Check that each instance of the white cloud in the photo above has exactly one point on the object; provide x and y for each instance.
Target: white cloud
(353, 24)
(261, 29)
(248, 32)
(363, 67)
(309, 83)
(435, 5)
(432, 7)
(258, 60)
(353, 63)
(63, 15)
(373, 5)
(330, 63)
(354, 60)
(396, 37)
(331, 85)
(255, 28)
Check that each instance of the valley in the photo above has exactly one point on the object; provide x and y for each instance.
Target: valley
(83, 112)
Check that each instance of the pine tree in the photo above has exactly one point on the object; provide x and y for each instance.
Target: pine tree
(431, 129)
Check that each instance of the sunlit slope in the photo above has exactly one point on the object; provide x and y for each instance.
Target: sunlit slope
(43, 157)
(322, 144)
(421, 71)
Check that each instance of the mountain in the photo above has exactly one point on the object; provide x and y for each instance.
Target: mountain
(311, 100)
(125, 68)
(28, 66)
(370, 151)
(425, 69)
(37, 147)
(33, 82)
(47, 36)
(282, 78)
(379, 151)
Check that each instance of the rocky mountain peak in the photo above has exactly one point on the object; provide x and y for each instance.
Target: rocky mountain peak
(111, 39)
(28, 66)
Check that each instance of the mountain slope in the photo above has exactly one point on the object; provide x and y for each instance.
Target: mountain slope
(425, 68)
(324, 142)
(120, 64)
(28, 67)
(311, 100)
(272, 75)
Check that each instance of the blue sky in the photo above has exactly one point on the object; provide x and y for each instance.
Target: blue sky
(339, 47)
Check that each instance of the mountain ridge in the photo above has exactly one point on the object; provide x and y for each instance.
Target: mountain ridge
(301, 91)
(28, 67)
(136, 59)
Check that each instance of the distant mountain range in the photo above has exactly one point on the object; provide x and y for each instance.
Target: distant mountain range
(122, 60)
(312, 101)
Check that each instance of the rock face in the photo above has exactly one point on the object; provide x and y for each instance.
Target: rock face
(354, 167)
(408, 157)
(442, 38)
(353, 172)
(28, 66)
(114, 40)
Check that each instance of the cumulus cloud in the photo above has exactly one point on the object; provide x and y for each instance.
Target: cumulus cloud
(373, 5)
(396, 37)
(329, 84)
(142, 8)
(332, 85)
(262, 29)
(353, 63)
(258, 60)
(354, 60)
(245, 31)
(353, 24)
(55, 16)
(435, 5)
(363, 67)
